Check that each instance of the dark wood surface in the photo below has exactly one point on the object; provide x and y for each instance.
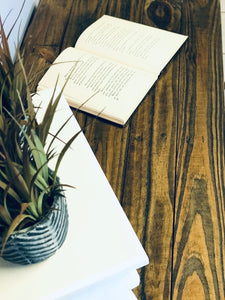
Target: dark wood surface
(167, 165)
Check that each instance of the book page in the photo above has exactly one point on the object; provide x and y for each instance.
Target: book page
(131, 43)
(98, 86)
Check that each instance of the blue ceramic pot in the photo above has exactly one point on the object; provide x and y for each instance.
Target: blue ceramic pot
(41, 240)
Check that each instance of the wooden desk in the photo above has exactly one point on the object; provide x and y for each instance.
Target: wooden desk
(167, 165)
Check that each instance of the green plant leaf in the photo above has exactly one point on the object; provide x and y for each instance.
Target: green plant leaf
(5, 204)
(15, 223)
(57, 133)
(16, 18)
(4, 215)
(38, 153)
(62, 153)
(4, 49)
(5, 187)
(38, 180)
(40, 200)
(1, 123)
(32, 210)
(43, 156)
(28, 94)
(15, 176)
(44, 126)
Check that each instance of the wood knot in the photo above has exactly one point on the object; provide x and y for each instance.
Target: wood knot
(160, 12)
(48, 54)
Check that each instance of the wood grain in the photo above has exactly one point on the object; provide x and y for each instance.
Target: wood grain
(167, 165)
(198, 253)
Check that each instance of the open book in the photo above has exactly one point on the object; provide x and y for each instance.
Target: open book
(113, 65)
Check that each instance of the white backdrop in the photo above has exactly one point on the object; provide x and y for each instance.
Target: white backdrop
(12, 9)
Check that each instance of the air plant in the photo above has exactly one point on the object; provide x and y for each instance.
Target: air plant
(27, 185)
